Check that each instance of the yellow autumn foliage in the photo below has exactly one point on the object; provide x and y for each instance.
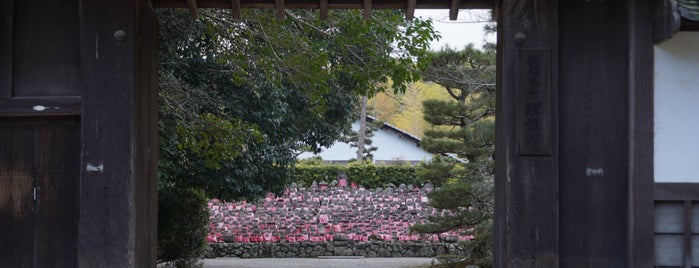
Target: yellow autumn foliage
(404, 110)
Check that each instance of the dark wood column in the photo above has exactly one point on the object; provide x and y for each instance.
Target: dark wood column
(641, 112)
(146, 138)
(118, 211)
(527, 150)
(594, 131)
(574, 177)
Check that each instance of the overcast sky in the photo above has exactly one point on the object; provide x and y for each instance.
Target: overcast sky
(458, 33)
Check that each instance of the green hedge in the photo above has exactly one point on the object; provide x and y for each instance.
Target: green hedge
(365, 174)
(183, 222)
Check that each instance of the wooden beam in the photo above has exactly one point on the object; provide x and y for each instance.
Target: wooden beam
(454, 9)
(40, 106)
(367, 9)
(323, 9)
(688, 25)
(410, 9)
(675, 191)
(192, 6)
(279, 6)
(313, 4)
(236, 9)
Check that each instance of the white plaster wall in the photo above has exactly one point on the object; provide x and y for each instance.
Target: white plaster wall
(677, 109)
(389, 147)
(392, 147)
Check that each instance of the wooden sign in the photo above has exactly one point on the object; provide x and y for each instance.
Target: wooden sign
(534, 102)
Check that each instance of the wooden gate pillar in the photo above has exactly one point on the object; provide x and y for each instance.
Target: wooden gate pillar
(526, 177)
(573, 134)
(118, 194)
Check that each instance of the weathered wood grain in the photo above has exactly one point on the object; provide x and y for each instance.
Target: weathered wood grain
(146, 139)
(39, 159)
(17, 219)
(46, 54)
(315, 4)
(58, 177)
(40, 106)
(107, 220)
(640, 136)
(527, 199)
(6, 32)
(594, 131)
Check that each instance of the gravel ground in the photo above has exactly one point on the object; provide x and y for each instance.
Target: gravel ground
(318, 262)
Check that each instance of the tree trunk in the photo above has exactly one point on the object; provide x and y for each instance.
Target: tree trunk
(361, 134)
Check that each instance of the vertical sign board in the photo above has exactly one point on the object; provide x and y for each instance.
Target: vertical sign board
(533, 114)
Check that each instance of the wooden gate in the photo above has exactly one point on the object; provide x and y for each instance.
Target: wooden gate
(40, 137)
(78, 133)
(78, 137)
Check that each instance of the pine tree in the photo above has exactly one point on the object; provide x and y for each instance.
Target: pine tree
(464, 129)
(361, 139)
(362, 133)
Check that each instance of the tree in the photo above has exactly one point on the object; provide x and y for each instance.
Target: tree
(404, 110)
(463, 126)
(361, 139)
(239, 97)
(362, 133)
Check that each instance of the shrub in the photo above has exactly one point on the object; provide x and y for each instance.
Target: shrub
(438, 171)
(307, 172)
(365, 174)
(480, 249)
(183, 220)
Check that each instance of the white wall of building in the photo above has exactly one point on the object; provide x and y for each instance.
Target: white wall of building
(390, 147)
(677, 109)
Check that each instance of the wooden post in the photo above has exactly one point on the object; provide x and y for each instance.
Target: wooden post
(641, 181)
(119, 135)
(527, 158)
(581, 194)
(146, 138)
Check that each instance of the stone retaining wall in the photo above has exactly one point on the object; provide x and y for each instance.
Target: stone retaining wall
(370, 249)
(324, 212)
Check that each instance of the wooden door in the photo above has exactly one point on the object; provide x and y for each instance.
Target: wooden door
(16, 195)
(39, 133)
(39, 175)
